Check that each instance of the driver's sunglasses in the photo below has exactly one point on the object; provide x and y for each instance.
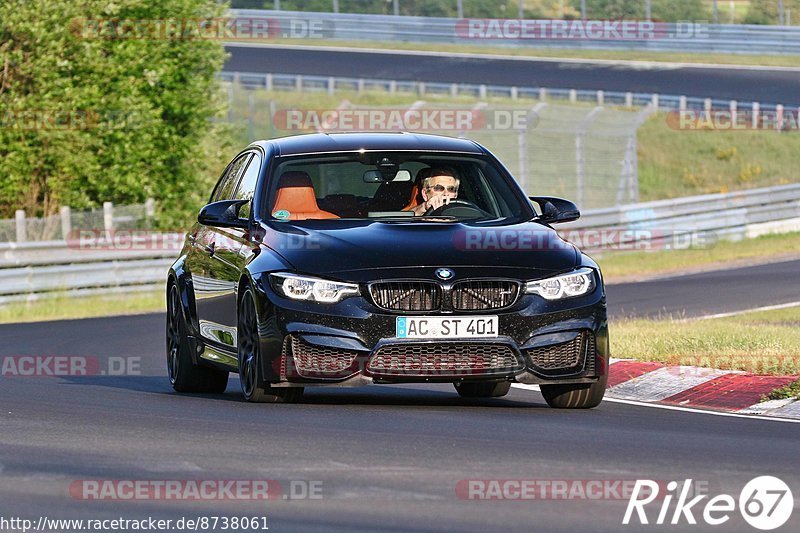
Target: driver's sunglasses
(441, 188)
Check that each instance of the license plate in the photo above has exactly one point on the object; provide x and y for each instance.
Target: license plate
(446, 327)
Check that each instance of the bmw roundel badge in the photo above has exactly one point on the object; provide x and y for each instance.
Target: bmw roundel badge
(444, 273)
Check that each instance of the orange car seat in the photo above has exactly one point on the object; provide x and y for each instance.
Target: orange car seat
(296, 196)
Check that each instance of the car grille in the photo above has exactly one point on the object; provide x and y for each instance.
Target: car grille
(443, 359)
(567, 356)
(482, 295)
(311, 360)
(470, 295)
(406, 295)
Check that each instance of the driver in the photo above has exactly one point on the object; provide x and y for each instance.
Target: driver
(438, 188)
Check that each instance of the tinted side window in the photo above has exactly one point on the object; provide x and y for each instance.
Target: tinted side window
(247, 185)
(224, 189)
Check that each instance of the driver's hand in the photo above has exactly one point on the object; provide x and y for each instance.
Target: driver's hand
(437, 201)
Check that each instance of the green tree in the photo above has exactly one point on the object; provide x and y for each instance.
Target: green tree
(612, 9)
(766, 11)
(87, 117)
(679, 10)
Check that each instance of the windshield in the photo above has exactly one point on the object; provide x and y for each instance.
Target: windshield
(373, 185)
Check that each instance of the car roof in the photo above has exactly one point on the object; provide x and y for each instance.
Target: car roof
(370, 142)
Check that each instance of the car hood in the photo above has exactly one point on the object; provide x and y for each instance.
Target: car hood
(336, 248)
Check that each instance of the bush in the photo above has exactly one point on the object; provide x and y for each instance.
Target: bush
(85, 119)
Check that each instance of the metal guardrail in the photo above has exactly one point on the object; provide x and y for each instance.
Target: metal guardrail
(30, 270)
(668, 37)
(629, 100)
(33, 270)
(689, 221)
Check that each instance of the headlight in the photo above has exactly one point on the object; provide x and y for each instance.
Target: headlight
(315, 289)
(564, 286)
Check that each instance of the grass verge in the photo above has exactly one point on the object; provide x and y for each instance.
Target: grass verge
(792, 390)
(63, 307)
(623, 266)
(675, 163)
(765, 342)
(558, 53)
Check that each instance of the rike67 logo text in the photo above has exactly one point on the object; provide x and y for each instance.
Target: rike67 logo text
(765, 503)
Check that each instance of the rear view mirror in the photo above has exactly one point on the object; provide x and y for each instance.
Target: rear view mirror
(375, 176)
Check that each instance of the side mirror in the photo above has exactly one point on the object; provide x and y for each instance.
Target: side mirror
(556, 209)
(223, 214)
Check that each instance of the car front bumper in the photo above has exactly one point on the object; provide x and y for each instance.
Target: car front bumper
(353, 343)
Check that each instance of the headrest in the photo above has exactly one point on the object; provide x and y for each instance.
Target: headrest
(294, 178)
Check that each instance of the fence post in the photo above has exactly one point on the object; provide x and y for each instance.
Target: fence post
(573, 96)
(150, 208)
(108, 216)
(392, 86)
(682, 104)
(360, 86)
(580, 153)
(331, 85)
(707, 104)
(655, 100)
(756, 113)
(629, 100)
(268, 81)
(421, 88)
(22, 234)
(482, 92)
(734, 106)
(66, 221)
(542, 94)
(779, 117)
(601, 97)
(514, 93)
(454, 89)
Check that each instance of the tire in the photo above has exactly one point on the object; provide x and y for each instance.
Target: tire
(254, 388)
(492, 389)
(579, 396)
(184, 375)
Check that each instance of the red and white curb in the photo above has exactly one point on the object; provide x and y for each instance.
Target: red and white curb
(698, 388)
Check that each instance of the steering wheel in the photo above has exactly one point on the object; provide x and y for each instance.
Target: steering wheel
(452, 205)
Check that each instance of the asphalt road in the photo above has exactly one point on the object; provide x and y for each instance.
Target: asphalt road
(385, 457)
(719, 291)
(381, 457)
(766, 86)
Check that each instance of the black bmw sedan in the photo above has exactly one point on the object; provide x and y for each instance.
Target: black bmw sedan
(366, 258)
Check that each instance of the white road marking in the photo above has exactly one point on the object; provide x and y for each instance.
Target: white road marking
(736, 313)
(764, 407)
(792, 409)
(677, 408)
